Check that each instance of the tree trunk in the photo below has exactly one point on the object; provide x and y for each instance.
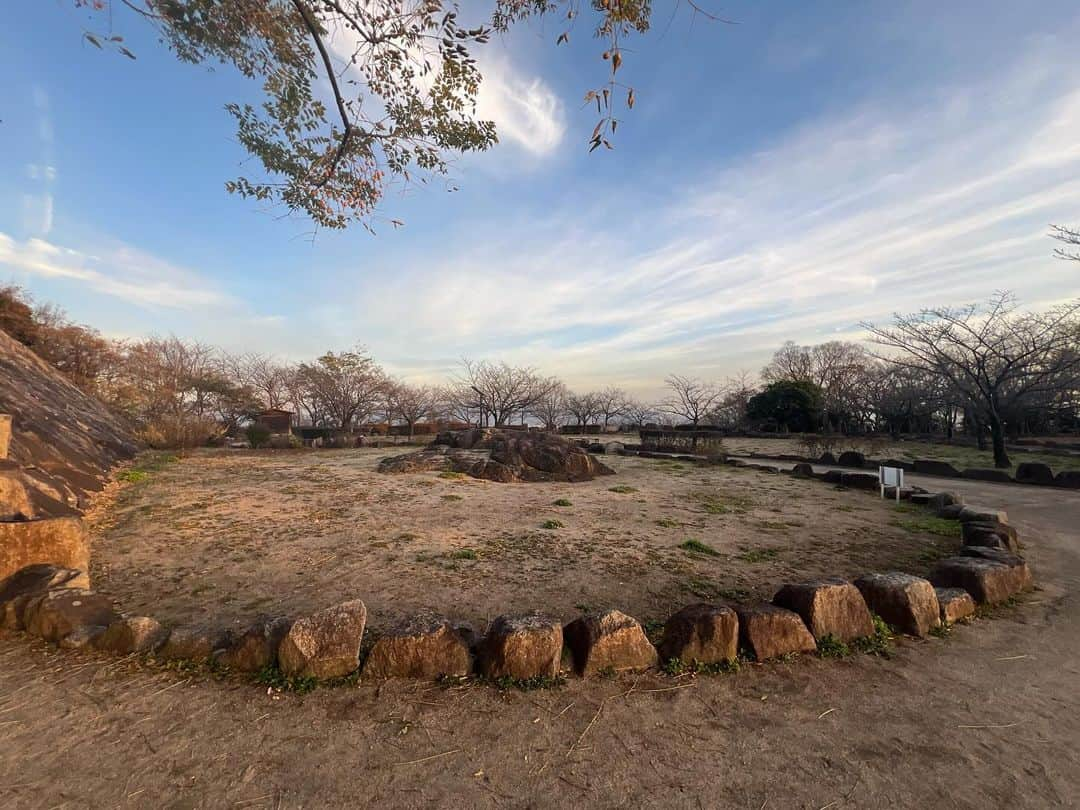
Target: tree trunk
(997, 436)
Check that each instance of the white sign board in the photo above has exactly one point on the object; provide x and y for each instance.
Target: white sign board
(891, 477)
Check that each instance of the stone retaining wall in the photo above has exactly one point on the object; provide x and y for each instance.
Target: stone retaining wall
(46, 600)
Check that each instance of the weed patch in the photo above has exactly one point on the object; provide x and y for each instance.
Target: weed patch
(561, 502)
(622, 489)
(697, 547)
(551, 524)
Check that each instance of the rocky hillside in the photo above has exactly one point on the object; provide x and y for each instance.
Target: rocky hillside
(64, 440)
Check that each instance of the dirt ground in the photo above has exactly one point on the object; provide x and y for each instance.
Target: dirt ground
(986, 717)
(223, 536)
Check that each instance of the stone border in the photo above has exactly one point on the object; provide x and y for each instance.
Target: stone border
(825, 615)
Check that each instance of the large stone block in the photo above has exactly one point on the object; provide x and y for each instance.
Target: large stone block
(768, 631)
(829, 607)
(608, 641)
(325, 644)
(905, 602)
(955, 604)
(982, 514)
(708, 634)
(58, 541)
(521, 648)
(194, 643)
(926, 466)
(1004, 557)
(425, 646)
(57, 614)
(988, 581)
(987, 474)
(990, 534)
(851, 458)
(1033, 472)
(867, 481)
(132, 634)
(257, 647)
(1070, 479)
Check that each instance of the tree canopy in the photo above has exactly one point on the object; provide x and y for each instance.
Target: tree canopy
(360, 95)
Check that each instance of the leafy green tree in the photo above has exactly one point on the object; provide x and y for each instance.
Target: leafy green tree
(401, 77)
(790, 404)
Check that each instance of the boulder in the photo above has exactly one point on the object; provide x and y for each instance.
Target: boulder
(984, 474)
(36, 579)
(867, 481)
(256, 647)
(803, 470)
(195, 643)
(955, 604)
(992, 534)
(60, 541)
(939, 500)
(82, 638)
(1070, 479)
(1032, 472)
(950, 511)
(833, 476)
(906, 466)
(504, 456)
(325, 644)
(608, 641)
(425, 646)
(57, 614)
(851, 458)
(926, 466)
(1001, 556)
(827, 458)
(707, 634)
(829, 607)
(905, 602)
(988, 581)
(769, 632)
(521, 648)
(982, 514)
(133, 634)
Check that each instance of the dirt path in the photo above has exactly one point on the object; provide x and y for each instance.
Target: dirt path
(989, 717)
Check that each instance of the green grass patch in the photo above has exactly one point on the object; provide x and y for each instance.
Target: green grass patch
(464, 554)
(675, 667)
(622, 489)
(452, 476)
(561, 502)
(697, 547)
(716, 504)
(928, 524)
(668, 523)
(878, 643)
(759, 555)
(274, 677)
(452, 498)
(551, 524)
(705, 589)
(832, 647)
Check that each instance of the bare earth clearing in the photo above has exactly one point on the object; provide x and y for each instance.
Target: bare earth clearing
(988, 717)
(224, 536)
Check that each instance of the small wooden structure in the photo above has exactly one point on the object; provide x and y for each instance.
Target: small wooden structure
(275, 420)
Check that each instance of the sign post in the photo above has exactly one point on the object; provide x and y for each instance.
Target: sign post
(891, 477)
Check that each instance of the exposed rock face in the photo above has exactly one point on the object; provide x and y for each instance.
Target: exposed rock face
(425, 646)
(608, 641)
(503, 456)
(830, 607)
(65, 440)
(57, 614)
(132, 634)
(1033, 472)
(325, 644)
(56, 541)
(522, 647)
(769, 632)
(956, 604)
(905, 602)
(256, 647)
(704, 633)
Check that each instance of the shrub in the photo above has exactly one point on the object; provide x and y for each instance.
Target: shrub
(258, 435)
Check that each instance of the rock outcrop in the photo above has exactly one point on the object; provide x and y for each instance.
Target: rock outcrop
(505, 456)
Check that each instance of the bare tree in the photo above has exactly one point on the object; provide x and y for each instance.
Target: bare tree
(1068, 236)
(995, 357)
(584, 408)
(612, 402)
(639, 413)
(550, 408)
(691, 399)
(349, 386)
(498, 391)
(839, 368)
(411, 403)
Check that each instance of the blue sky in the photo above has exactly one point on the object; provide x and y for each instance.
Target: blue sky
(783, 178)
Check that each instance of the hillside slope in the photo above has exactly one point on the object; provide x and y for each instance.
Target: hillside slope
(64, 440)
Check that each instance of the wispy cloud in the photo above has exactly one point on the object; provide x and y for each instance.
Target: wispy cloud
(121, 271)
(526, 111)
(895, 205)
